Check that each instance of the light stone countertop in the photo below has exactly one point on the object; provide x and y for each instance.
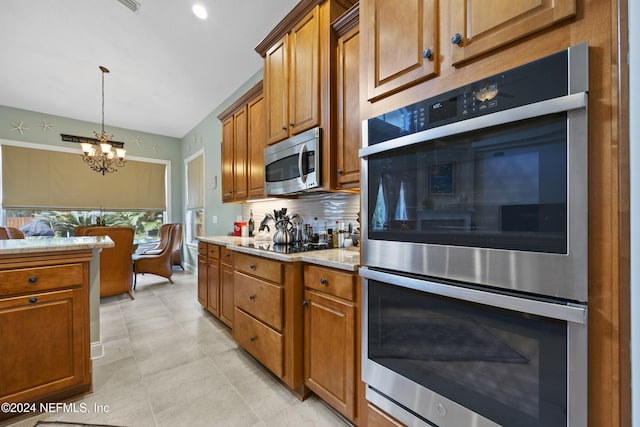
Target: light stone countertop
(343, 259)
(53, 244)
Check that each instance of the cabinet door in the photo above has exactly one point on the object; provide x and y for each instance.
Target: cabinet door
(402, 44)
(240, 154)
(304, 83)
(349, 124)
(257, 137)
(202, 281)
(479, 26)
(226, 295)
(276, 92)
(43, 344)
(213, 287)
(227, 159)
(329, 350)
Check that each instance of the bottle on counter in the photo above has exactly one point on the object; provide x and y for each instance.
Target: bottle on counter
(329, 237)
(252, 224)
(336, 231)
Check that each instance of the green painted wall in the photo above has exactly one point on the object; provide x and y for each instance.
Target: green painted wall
(137, 144)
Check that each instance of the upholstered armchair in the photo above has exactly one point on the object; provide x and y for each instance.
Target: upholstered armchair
(157, 263)
(116, 272)
(165, 230)
(7, 233)
(176, 253)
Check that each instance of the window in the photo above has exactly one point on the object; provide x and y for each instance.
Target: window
(194, 215)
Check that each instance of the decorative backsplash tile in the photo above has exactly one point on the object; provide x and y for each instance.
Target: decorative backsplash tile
(320, 210)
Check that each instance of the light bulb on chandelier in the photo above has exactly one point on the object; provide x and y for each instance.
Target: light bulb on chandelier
(99, 154)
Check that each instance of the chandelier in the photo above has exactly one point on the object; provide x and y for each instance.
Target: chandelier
(100, 154)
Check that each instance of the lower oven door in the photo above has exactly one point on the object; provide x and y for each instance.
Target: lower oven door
(451, 355)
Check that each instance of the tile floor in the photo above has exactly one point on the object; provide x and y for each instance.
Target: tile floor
(168, 362)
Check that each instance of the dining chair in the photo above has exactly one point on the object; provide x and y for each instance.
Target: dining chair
(157, 263)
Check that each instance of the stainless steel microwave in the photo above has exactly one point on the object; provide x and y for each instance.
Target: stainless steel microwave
(293, 165)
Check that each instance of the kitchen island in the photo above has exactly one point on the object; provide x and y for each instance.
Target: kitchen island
(49, 317)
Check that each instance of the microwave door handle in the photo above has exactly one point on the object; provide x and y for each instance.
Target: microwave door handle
(303, 175)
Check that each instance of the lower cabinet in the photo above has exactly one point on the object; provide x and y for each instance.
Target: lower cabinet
(330, 346)
(226, 286)
(215, 283)
(44, 328)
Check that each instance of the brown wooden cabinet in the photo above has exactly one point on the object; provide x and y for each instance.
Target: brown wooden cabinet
(477, 29)
(226, 286)
(401, 44)
(243, 143)
(44, 327)
(292, 80)
(349, 125)
(203, 293)
(330, 346)
(210, 278)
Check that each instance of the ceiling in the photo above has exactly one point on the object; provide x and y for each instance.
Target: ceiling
(169, 69)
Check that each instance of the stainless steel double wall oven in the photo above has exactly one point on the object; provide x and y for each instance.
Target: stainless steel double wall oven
(474, 251)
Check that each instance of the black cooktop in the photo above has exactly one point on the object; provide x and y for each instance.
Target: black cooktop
(292, 248)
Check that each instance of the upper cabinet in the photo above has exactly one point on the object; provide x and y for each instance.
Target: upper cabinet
(243, 143)
(479, 26)
(299, 77)
(402, 47)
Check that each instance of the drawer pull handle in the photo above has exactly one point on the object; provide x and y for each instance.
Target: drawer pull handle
(323, 281)
(33, 279)
(252, 266)
(252, 339)
(33, 300)
(252, 297)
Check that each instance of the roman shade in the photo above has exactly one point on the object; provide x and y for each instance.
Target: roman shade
(44, 179)
(195, 185)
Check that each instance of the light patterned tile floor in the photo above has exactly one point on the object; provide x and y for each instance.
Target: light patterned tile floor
(168, 362)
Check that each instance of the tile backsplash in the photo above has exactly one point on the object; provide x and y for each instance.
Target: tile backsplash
(320, 210)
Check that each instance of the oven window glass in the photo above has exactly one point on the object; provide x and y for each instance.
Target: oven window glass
(509, 367)
(500, 188)
(286, 168)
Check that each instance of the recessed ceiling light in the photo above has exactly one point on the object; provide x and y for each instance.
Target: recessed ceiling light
(199, 11)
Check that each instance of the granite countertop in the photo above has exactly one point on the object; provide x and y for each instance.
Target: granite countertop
(343, 259)
(53, 244)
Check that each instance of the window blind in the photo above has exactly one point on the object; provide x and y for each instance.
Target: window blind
(195, 184)
(44, 179)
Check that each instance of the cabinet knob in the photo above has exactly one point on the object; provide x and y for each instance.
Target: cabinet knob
(323, 281)
(340, 172)
(252, 266)
(284, 128)
(291, 124)
(456, 39)
(305, 303)
(427, 53)
(252, 339)
(33, 300)
(252, 297)
(33, 279)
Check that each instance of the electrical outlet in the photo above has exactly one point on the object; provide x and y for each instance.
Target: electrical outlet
(215, 219)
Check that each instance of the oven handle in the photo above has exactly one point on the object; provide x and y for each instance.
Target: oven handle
(571, 312)
(542, 108)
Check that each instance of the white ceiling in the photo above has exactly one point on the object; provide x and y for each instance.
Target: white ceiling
(169, 69)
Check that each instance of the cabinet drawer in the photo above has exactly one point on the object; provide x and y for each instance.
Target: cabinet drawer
(202, 248)
(336, 283)
(226, 255)
(258, 298)
(261, 267)
(213, 251)
(40, 278)
(262, 342)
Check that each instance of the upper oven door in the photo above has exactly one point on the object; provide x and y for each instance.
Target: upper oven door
(293, 165)
(498, 199)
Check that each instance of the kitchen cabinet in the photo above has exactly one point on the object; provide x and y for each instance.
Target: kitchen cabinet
(268, 315)
(243, 141)
(292, 80)
(44, 326)
(349, 125)
(479, 27)
(401, 47)
(209, 277)
(226, 286)
(330, 346)
(202, 274)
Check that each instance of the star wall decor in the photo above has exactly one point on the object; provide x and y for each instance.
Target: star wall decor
(19, 127)
(45, 125)
(137, 140)
(154, 148)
